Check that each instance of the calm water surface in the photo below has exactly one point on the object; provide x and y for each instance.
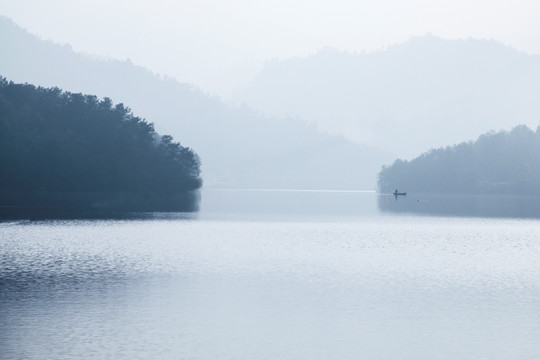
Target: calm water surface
(271, 275)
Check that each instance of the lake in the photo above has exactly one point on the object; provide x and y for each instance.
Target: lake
(272, 275)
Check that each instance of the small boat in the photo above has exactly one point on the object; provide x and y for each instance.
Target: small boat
(396, 193)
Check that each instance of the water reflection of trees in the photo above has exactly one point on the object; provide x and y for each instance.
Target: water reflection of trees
(471, 205)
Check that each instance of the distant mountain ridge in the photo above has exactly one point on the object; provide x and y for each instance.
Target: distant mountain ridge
(238, 147)
(422, 94)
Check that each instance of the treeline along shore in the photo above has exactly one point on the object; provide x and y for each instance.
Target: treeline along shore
(60, 149)
(504, 162)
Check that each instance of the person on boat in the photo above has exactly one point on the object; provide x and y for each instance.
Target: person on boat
(397, 193)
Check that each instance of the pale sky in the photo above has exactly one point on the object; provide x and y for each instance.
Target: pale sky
(219, 45)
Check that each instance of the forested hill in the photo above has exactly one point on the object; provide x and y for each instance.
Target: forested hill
(54, 141)
(239, 147)
(502, 162)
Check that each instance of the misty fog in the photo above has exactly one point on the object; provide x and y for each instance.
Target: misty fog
(307, 180)
(406, 99)
(238, 146)
(330, 120)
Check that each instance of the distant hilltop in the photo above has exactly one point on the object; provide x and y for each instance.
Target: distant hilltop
(67, 149)
(504, 162)
(425, 93)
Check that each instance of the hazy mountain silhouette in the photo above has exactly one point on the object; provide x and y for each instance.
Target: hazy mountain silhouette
(238, 147)
(425, 93)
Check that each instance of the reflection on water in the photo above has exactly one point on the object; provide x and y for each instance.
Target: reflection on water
(286, 204)
(291, 204)
(237, 281)
(45, 206)
(462, 205)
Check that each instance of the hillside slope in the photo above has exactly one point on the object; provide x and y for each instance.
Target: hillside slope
(238, 147)
(424, 93)
(62, 149)
(505, 162)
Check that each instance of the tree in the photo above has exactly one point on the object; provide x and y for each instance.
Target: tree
(55, 141)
